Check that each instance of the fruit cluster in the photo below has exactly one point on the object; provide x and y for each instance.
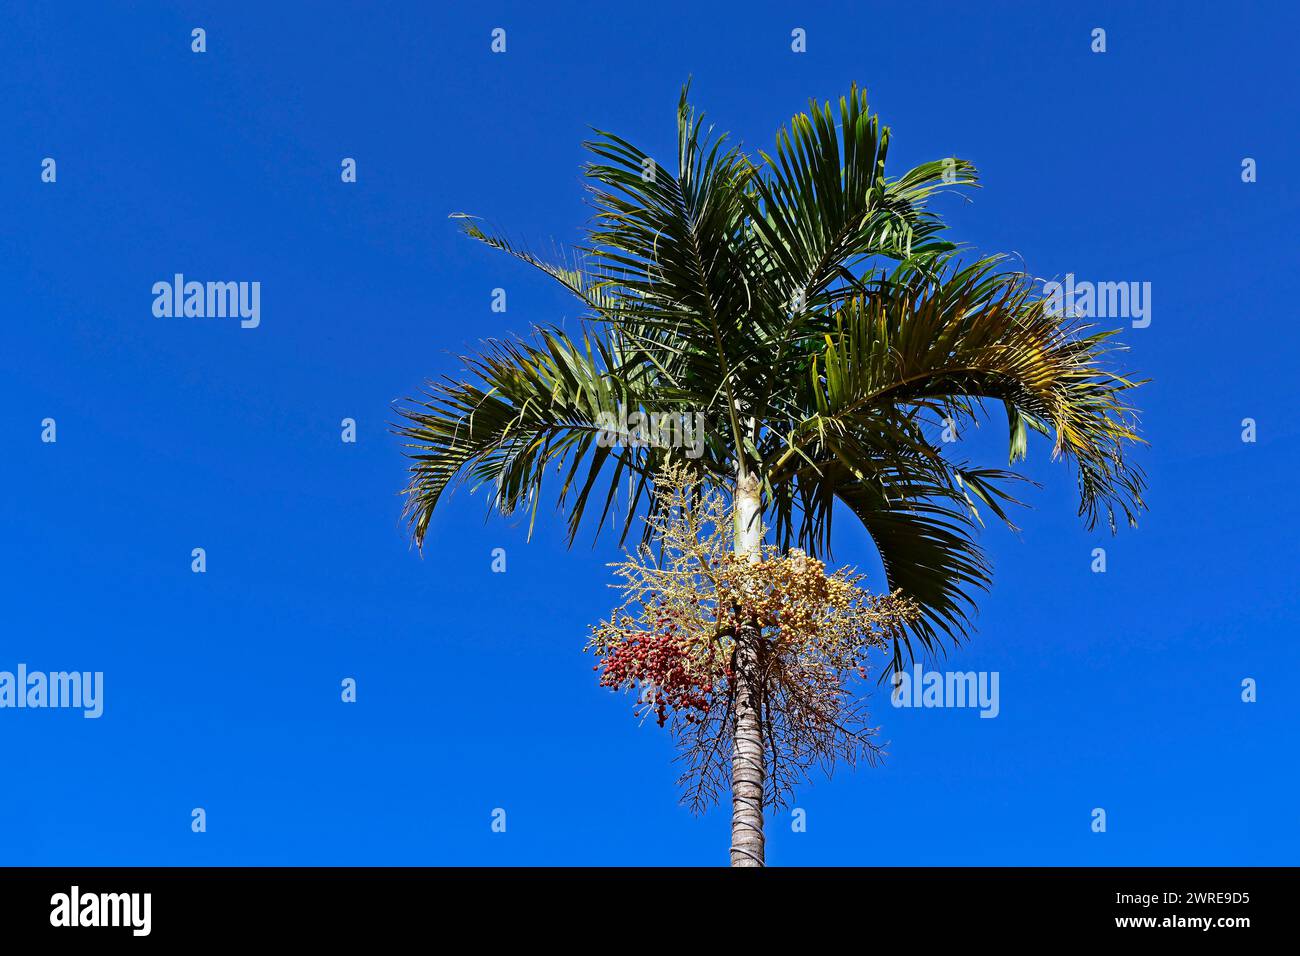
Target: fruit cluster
(662, 662)
(687, 605)
(684, 608)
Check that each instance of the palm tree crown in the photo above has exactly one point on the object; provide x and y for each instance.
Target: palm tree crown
(808, 308)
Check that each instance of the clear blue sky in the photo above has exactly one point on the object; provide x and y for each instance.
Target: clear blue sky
(1118, 690)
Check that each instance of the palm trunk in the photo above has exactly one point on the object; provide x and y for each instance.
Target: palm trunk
(748, 758)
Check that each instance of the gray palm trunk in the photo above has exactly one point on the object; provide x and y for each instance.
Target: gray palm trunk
(748, 758)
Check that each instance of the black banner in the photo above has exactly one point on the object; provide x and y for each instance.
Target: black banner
(362, 904)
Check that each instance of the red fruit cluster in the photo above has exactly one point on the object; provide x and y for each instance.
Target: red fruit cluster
(662, 661)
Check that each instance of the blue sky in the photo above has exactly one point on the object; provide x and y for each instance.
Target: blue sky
(1119, 690)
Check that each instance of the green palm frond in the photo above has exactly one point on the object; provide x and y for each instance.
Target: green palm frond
(575, 276)
(974, 332)
(825, 204)
(533, 405)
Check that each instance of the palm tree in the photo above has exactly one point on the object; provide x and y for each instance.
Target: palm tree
(809, 307)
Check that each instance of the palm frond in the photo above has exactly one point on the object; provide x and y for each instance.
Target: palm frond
(546, 404)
